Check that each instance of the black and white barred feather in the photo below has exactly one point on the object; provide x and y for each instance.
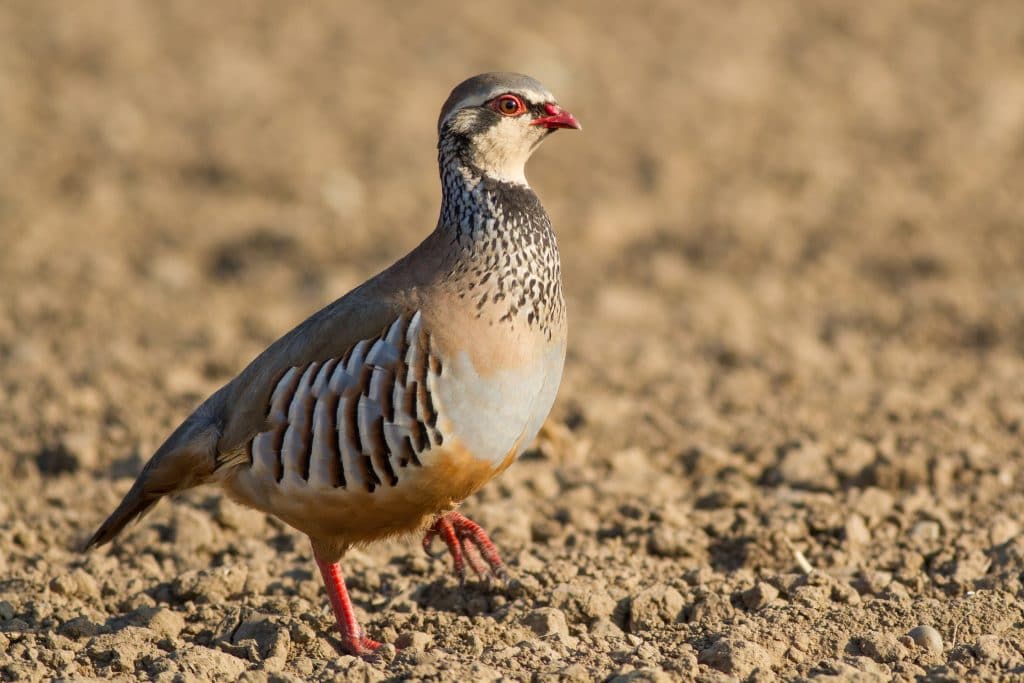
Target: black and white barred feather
(355, 421)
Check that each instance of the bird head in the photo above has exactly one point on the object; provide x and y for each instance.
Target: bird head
(498, 120)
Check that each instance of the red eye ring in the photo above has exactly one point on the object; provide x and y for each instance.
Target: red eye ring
(508, 105)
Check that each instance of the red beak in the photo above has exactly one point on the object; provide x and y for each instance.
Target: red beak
(557, 118)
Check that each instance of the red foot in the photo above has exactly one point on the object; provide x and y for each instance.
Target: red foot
(353, 639)
(469, 544)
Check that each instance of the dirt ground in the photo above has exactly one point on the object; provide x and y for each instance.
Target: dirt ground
(790, 426)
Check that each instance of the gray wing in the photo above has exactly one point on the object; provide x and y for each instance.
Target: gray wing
(212, 436)
(230, 418)
(330, 333)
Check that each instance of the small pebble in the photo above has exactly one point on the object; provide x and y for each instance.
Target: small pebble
(547, 621)
(385, 653)
(654, 607)
(926, 530)
(76, 583)
(192, 530)
(881, 647)
(857, 532)
(736, 657)
(163, 622)
(413, 640)
(304, 665)
(212, 585)
(760, 596)
(79, 627)
(927, 638)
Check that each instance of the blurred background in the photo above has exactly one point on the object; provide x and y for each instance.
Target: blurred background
(791, 234)
(183, 182)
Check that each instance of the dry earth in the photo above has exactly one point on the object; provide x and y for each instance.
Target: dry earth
(790, 426)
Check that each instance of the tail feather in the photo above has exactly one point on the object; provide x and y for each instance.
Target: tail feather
(186, 459)
(137, 503)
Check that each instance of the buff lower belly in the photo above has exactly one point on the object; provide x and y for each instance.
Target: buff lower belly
(342, 517)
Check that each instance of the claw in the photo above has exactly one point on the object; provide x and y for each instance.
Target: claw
(428, 540)
(468, 544)
(362, 647)
(474, 559)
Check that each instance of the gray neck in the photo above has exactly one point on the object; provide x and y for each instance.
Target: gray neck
(507, 262)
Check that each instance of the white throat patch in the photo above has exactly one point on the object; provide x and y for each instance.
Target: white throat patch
(502, 152)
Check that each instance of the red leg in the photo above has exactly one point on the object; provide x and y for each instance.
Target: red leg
(468, 543)
(352, 637)
(473, 558)
(445, 529)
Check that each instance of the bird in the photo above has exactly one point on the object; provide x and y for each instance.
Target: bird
(379, 414)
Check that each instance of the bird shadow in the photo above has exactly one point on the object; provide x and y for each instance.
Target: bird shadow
(471, 598)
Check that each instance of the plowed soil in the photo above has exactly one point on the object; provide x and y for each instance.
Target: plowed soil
(790, 426)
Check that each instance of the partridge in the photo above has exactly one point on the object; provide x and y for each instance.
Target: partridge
(380, 413)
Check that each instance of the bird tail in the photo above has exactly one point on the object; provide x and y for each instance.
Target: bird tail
(188, 458)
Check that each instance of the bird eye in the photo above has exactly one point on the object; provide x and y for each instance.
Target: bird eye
(509, 105)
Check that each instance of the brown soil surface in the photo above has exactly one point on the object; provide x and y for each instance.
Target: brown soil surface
(790, 426)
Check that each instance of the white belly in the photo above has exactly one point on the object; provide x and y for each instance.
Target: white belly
(503, 411)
